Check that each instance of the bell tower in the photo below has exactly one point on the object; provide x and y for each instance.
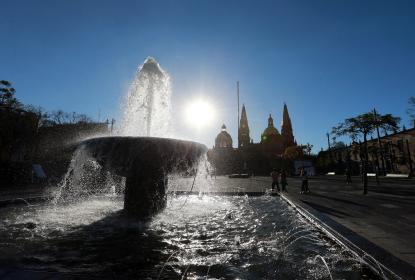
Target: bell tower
(286, 128)
(243, 133)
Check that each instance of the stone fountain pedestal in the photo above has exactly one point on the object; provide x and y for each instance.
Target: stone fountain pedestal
(145, 187)
(145, 162)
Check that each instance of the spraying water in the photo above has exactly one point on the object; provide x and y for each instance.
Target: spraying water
(146, 112)
(147, 105)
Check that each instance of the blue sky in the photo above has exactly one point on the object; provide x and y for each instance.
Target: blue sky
(328, 60)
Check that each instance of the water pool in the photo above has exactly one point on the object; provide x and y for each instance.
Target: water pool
(195, 237)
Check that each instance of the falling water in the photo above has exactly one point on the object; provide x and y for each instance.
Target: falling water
(146, 112)
(147, 105)
(325, 264)
(85, 178)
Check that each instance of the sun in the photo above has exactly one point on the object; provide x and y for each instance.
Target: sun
(199, 113)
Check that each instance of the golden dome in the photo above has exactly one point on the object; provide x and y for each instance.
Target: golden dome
(270, 130)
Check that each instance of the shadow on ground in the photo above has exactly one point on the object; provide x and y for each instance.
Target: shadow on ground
(325, 209)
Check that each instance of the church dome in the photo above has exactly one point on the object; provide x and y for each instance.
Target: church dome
(270, 130)
(224, 139)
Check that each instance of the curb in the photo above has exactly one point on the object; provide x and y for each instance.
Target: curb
(380, 261)
(241, 193)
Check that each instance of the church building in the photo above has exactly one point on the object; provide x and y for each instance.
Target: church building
(243, 131)
(250, 156)
(224, 139)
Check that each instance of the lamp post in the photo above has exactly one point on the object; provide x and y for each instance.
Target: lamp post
(112, 125)
(409, 157)
(329, 150)
(237, 92)
(364, 159)
(379, 143)
(328, 140)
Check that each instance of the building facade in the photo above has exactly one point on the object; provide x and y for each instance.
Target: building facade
(394, 153)
(250, 157)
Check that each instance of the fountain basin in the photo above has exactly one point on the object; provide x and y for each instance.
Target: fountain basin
(201, 237)
(145, 162)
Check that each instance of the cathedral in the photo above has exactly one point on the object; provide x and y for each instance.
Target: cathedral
(252, 157)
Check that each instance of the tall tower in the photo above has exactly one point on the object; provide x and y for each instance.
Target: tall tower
(243, 132)
(286, 128)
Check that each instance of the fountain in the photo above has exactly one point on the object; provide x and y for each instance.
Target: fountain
(194, 237)
(144, 160)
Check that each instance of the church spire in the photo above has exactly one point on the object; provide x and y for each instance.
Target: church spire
(286, 128)
(243, 133)
(270, 121)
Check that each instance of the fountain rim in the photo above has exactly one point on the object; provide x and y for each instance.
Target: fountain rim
(142, 138)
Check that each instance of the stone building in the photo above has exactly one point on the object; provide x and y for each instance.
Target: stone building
(223, 154)
(18, 130)
(394, 153)
(272, 142)
(25, 143)
(224, 139)
(250, 157)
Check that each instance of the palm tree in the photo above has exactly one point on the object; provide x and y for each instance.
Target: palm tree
(308, 148)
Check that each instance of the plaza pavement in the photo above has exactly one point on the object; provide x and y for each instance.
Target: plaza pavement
(384, 217)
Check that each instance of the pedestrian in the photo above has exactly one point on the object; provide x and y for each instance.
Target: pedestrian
(348, 176)
(274, 176)
(304, 181)
(377, 175)
(283, 180)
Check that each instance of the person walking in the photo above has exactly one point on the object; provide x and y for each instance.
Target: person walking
(304, 181)
(348, 176)
(283, 180)
(274, 176)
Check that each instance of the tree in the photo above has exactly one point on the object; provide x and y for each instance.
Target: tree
(42, 115)
(7, 95)
(45, 118)
(293, 152)
(82, 118)
(388, 123)
(362, 126)
(308, 148)
(58, 116)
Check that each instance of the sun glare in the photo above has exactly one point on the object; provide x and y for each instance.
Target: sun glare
(199, 113)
